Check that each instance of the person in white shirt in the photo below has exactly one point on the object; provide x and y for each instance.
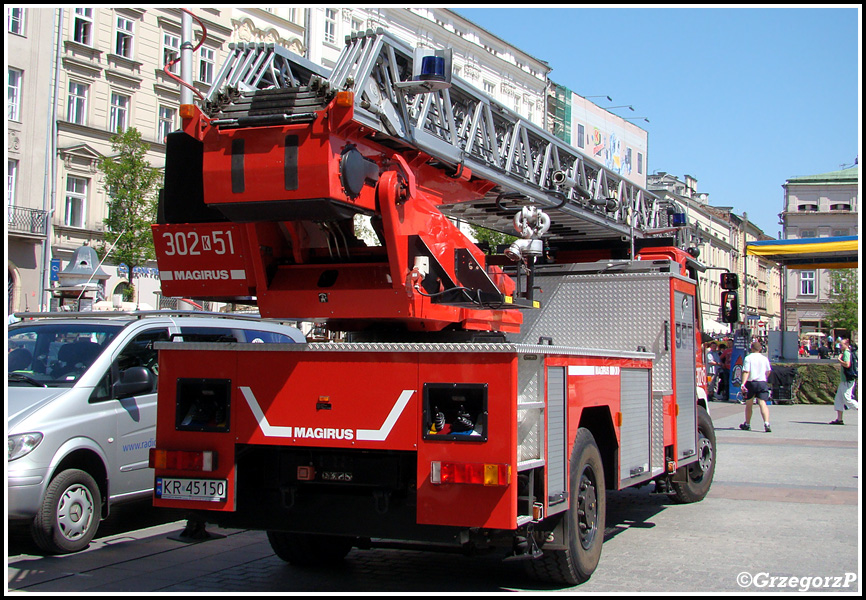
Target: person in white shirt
(756, 370)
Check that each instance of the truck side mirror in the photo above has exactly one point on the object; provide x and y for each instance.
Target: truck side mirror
(134, 381)
(730, 307)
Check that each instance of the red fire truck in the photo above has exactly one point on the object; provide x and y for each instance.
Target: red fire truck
(474, 400)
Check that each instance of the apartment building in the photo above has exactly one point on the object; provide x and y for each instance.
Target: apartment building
(77, 76)
(816, 206)
(29, 126)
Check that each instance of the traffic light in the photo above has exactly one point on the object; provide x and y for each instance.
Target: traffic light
(729, 281)
(730, 307)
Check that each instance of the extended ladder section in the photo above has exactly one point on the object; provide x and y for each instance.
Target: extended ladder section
(457, 125)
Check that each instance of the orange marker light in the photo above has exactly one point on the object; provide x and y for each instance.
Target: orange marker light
(187, 111)
(345, 99)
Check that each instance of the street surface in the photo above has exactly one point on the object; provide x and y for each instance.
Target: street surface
(782, 516)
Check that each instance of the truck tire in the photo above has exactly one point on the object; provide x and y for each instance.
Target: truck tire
(698, 475)
(584, 520)
(69, 515)
(307, 549)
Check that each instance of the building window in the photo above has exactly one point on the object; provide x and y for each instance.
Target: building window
(639, 162)
(83, 26)
(76, 105)
(171, 51)
(205, 65)
(807, 208)
(840, 207)
(119, 116)
(840, 232)
(166, 122)
(580, 133)
(15, 20)
(76, 196)
(489, 88)
(123, 38)
(13, 95)
(807, 233)
(330, 25)
(11, 181)
(357, 25)
(807, 283)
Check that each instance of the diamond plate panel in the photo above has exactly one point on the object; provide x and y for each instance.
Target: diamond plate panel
(621, 312)
(529, 434)
(528, 381)
(530, 410)
(657, 462)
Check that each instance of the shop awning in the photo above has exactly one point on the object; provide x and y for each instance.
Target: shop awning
(809, 253)
(714, 327)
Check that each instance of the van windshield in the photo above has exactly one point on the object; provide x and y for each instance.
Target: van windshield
(55, 354)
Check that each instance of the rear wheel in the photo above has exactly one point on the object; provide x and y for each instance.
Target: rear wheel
(698, 476)
(307, 549)
(69, 516)
(583, 521)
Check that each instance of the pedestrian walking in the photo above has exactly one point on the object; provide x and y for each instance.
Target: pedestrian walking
(714, 365)
(725, 353)
(845, 392)
(756, 371)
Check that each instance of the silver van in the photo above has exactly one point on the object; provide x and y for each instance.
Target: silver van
(81, 411)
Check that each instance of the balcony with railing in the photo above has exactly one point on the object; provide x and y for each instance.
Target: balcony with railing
(27, 221)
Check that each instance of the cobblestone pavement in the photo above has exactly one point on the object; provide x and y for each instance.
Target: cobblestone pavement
(782, 516)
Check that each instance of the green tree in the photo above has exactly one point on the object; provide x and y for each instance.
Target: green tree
(131, 184)
(494, 238)
(841, 312)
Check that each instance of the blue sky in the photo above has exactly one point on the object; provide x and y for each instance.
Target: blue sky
(740, 98)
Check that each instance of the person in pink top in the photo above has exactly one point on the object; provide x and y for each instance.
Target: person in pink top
(756, 370)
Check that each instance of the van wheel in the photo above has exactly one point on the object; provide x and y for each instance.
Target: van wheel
(583, 522)
(698, 476)
(69, 515)
(307, 549)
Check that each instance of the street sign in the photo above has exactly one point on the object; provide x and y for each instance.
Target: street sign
(54, 269)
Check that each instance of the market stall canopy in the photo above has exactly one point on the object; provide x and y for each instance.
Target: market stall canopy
(809, 253)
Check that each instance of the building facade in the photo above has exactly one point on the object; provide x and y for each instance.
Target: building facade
(721, 237)
(86, 74)
(816, 206)
(30, 87)
(614, 141)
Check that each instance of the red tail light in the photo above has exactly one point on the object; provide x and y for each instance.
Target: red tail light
(182, 460)
(470, 473)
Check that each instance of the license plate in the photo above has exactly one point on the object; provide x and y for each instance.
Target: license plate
(207, 490)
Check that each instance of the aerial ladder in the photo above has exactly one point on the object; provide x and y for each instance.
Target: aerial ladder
(377, 136)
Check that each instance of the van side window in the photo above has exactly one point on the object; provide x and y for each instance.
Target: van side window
(139, 352)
